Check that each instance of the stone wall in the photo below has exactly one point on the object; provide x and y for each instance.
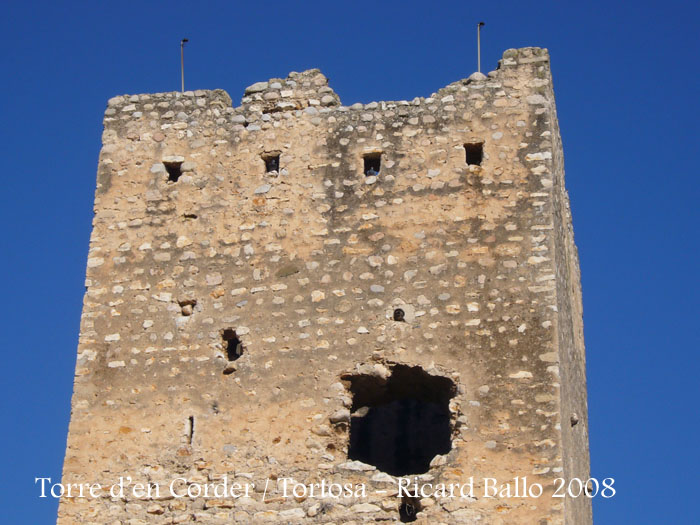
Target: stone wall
(230, 311)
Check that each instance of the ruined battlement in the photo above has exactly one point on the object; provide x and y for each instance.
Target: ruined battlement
(308, 90)
(297, 288)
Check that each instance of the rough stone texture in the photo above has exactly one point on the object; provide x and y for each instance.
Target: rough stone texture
(307, 266)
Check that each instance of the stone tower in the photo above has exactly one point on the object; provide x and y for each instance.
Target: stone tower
(293, 291)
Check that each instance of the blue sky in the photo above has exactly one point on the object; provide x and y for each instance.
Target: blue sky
(626, 83)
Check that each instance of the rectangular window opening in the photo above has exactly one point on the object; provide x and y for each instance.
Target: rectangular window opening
(272, 163)
(373, 163)
(174, 170)
(474, 153)
(190, 429)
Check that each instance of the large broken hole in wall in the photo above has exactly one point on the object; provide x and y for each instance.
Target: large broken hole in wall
(401, 422)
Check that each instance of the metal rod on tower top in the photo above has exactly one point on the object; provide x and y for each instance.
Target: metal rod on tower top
(182, 62)
(478, 46)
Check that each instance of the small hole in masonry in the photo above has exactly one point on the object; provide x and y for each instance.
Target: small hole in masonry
(232, 344)
(272, 163)
(174, 170)
(409, 509)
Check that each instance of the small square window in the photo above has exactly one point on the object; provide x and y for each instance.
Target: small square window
(474, 153)
(174, 170)
(272, 163)
(373, 163)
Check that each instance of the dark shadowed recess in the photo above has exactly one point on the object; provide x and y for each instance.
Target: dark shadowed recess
(401, 423)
